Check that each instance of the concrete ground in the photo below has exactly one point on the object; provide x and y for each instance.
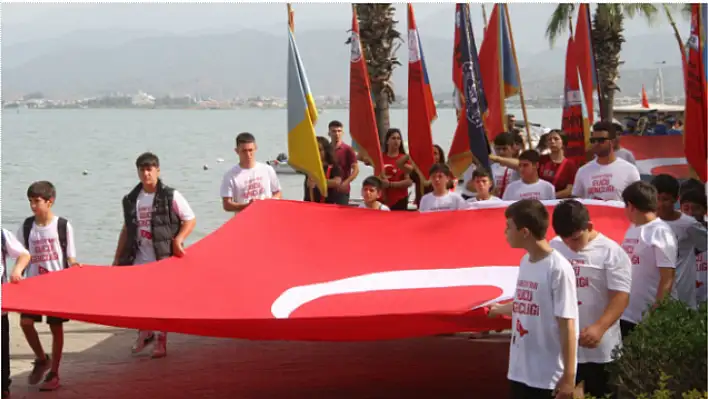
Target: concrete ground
(97, 364)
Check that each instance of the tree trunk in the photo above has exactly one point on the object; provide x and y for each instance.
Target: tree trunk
(607, 40)
(381, 109)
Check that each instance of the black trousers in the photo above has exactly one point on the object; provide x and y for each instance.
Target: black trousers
(5, 332)
(401, 205)
(343, 199)
(596, 378)
(626, 327)
(523, 391)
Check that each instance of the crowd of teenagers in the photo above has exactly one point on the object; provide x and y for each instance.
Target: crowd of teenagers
(577, 296)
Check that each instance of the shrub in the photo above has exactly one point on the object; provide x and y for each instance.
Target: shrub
(663, 393)
(665, 354)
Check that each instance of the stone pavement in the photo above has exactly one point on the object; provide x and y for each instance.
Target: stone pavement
(97, 364)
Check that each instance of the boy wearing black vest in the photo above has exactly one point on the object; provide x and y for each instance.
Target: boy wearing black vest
(11, 248)
(156, 221)
(50, 241)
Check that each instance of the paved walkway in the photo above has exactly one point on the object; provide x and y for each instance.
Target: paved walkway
(97, 364)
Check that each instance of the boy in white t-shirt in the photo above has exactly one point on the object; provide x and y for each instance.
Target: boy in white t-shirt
(482, 181)
(50, 242)
(371, 190)
(544, 312)
(606, 176)
(603, 279)
(11, 248)
(652, 249)
(694, 204)
(504, 168)
(530, 186)
(691, 236)
(441, 199)
(249, 180)
(157, 220)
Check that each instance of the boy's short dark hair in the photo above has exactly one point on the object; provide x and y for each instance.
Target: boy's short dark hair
(692, 184)
(481, 172)
(146, 160)
(697, 197)
(640, 195)
(570, 216)
(516, 136)
(373, 181)
(42, 189)
(335, 123)
(666, 184)
(530, 214)
(245, 138)
(504, 139)
(441, 168)
(608, 127)
(530, 155)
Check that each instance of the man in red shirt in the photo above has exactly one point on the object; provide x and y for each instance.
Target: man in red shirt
(346, 160)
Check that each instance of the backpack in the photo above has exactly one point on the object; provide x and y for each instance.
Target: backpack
(27, 228)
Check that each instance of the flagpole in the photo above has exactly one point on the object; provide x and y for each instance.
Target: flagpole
(518, 73)
(484, 17)
(291, 25)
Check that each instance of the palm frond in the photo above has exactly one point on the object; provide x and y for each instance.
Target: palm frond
(558, 24)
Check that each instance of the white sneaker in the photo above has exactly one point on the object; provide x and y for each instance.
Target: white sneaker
(160, 349)
(144, 339)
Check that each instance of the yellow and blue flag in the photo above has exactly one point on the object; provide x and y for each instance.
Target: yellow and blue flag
(303, 150)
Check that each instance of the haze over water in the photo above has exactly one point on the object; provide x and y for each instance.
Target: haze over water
(58, 145)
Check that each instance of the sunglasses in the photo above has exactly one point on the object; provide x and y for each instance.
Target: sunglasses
(598, 140)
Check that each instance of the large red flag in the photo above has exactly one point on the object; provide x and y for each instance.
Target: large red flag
(586, 58)
(245, 280)
(362, 120)
(696, 126)
(574, 122)
(421, 106)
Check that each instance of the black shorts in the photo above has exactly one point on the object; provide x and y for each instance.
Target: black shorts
(523, 391)
(38, 318)
(596, 378)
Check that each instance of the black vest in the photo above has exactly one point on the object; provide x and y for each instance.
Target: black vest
(164, 226)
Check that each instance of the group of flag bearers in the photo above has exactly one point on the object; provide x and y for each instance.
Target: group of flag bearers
(580, 288)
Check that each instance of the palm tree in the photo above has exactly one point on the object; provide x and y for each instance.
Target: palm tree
(380, 40)
(607, 39)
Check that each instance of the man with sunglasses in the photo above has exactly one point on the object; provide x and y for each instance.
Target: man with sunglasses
(606, 176)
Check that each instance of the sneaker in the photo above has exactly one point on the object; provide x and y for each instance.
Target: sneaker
(144, 339)
(51, 382)
(39, 368)
(160, 349)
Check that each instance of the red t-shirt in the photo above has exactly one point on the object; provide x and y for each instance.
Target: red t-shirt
(393, 174)
(559, 174)
(346, 158)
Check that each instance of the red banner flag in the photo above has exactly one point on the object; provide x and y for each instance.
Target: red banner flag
(696, 126)
(362, 120)
(255, 290)
(586, 58)
(574, 122)
(421, 106)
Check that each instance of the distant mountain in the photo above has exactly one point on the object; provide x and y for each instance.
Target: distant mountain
(252, 62)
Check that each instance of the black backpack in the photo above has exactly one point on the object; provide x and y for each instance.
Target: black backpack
(27, 228)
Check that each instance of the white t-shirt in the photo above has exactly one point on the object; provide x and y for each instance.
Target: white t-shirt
(466, 178)
(626, 155)
(691, 238)
(650, 246)
(600, 267)
(144, 208)
(45, 248)
(545, 290)
(382, 207)
(503, 174)
(243, 185)
(14, 250)
(540, 190)
(604, 182)
(701, 277)
(491, 199)
(447, 202)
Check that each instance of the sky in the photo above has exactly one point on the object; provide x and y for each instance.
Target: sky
(32, 21)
